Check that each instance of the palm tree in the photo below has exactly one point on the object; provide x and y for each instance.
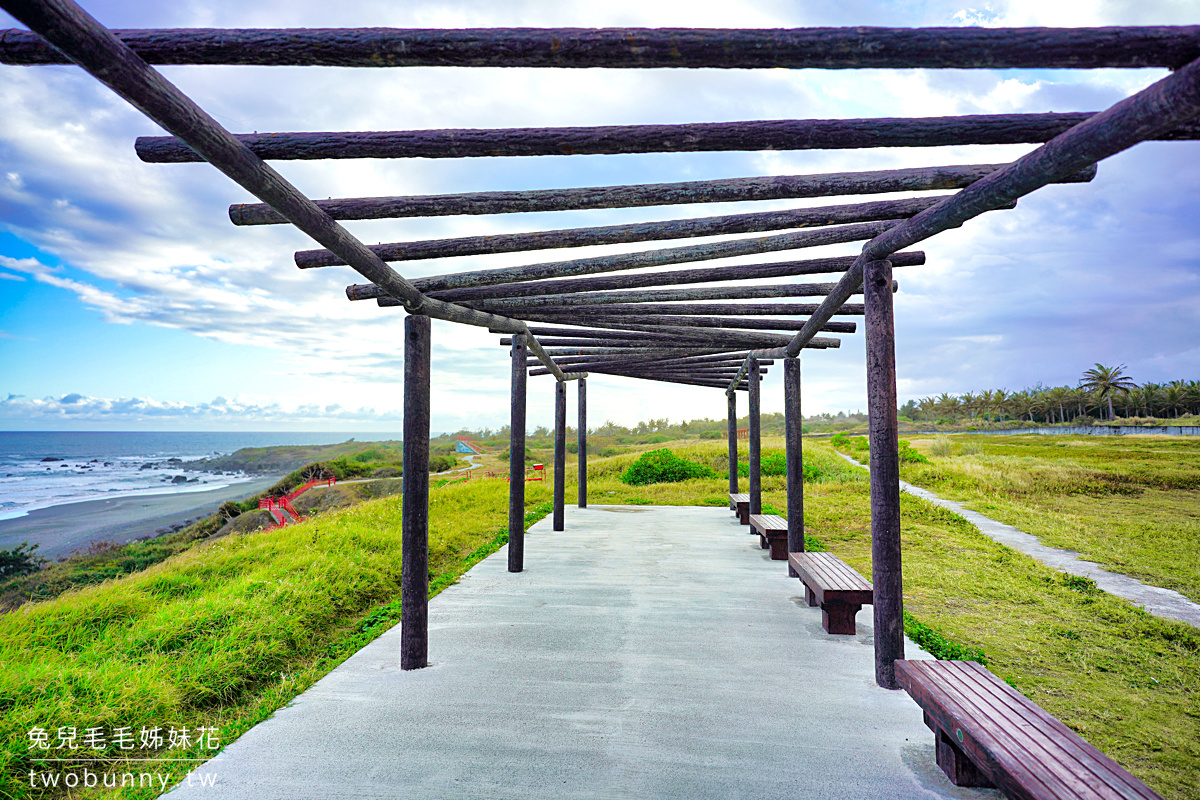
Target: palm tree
(1000, 402)
(1175, 395)
(1058, 396)
(928, 404)
(1104, 381)
(948, 403)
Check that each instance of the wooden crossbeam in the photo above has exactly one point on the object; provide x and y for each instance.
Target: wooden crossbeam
(638, 232)
(698, 137)
(725, 190)
(641, 48)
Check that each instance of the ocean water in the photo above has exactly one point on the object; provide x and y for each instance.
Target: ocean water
(102, 464)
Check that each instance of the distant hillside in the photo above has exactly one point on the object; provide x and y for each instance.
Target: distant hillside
(285, 458)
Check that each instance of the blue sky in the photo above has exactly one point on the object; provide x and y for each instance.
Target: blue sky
(128, 301)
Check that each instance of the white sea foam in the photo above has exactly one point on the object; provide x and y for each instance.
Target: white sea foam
(27, 484)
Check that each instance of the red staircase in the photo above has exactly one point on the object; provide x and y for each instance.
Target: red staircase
(280, 508)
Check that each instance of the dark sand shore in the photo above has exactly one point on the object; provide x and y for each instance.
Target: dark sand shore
(60, 530)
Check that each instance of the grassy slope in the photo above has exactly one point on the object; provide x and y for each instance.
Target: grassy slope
(227, 632)
(1131, 504)
(227, 637)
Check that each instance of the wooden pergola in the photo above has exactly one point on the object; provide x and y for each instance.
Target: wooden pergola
(581, 316)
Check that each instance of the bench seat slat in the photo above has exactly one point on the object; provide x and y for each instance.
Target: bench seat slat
(1026, 747)
(1024, 776)
(1101, 774)
(1026, 744)
(832, 573)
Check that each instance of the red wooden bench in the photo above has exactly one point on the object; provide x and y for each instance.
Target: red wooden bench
(989, 734)
(740, 503)
(772, 532)
(831, 584)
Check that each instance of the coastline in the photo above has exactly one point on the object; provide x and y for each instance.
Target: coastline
(63, 529)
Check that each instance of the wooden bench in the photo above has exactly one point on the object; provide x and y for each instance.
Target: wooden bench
(740, 503)
(772, 532)
(831, 584)
(989, 734)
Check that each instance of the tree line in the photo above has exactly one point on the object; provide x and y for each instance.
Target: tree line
(1101, 393)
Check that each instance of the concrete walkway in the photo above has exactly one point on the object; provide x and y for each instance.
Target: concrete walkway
(1160, 602)
(647, 652)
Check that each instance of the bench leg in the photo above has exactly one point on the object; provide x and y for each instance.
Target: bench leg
(762, 542)
(809, 597)
(958, 767)
(839, 617)
(743, 512)
(778, 549)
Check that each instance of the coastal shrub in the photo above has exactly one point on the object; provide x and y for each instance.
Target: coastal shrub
(658, 438)
(770, 464)
(712, 434)
(941, 446)
(20, 560)
(972, 448)
(909, 455)
(663, 466)
(608, 452)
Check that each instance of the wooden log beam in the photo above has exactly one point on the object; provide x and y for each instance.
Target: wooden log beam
(682, 381)
(725, 190)
(739, 338)
(581, 445)
(637, 309)
(733, 359)
(560, 454)
(888, 604)
(661, 376)
(755, 437)
(682, 321)
(754, 292)
(643, 48)
(637, 232)
(438, 285)
(740, 272)
(794, 455)
(1159, 107)
(414, 522)
(696, 137)
(630, 330)
(516, 458)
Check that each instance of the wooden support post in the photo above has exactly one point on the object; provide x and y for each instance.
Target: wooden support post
(516, 459)
(885, 473)
(414, 525)
(733, 450)
(793, 422)
(560, 453)
(581, 442)
(755, 439)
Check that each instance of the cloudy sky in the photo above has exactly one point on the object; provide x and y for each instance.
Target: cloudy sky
(128, 300)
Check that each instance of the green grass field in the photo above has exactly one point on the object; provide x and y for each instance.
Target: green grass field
(226, 633)
(1129, 503)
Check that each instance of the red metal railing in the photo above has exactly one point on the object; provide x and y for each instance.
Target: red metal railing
(281, 509)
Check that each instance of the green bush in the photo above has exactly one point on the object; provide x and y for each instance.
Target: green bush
(658, 438)
(663, 466)
(712, 435)
(941, 446)
(20, 560)
(909, 455)
(606, 452)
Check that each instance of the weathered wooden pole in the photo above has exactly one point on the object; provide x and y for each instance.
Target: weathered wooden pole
(732, 434)
(581, 442)
(885, 473)
(793, 421)
(695, 137)
(560, 453)
(755, 438)
(516, 459)
(414, 524)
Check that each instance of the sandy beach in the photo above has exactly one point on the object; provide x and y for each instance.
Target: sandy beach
(60, 530)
